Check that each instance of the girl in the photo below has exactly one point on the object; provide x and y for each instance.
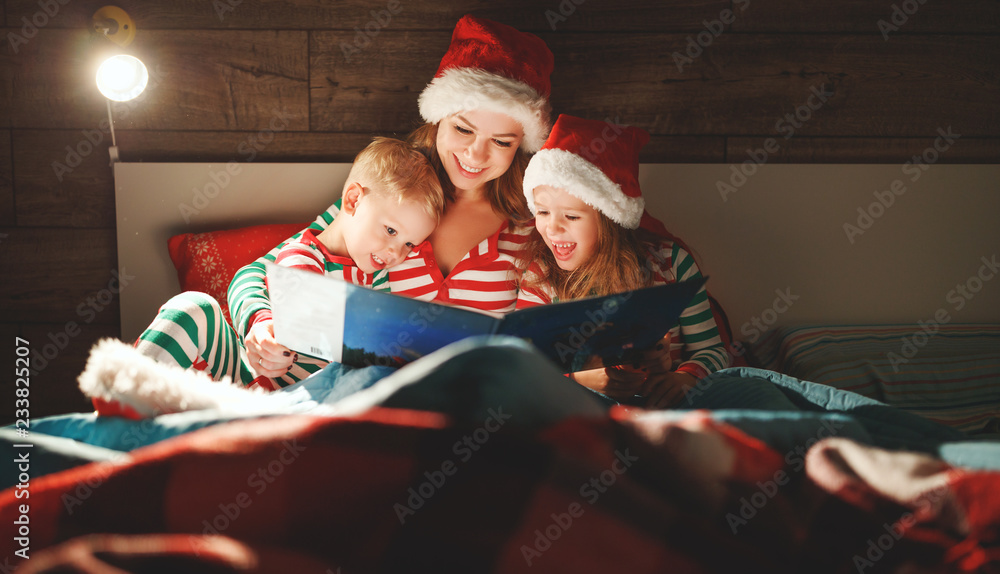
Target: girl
(486, 109)
(584, 192)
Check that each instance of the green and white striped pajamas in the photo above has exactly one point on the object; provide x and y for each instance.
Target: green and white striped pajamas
(190, 329)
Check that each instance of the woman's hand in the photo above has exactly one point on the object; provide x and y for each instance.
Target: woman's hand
(667, 390)
(266, 356)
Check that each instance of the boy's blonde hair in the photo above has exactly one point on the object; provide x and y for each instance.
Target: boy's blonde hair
(395, 169)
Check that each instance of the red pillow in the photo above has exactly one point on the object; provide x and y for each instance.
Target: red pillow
(206, 262)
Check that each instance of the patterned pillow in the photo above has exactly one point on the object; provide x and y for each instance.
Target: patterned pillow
(949, 374)
(206, 262)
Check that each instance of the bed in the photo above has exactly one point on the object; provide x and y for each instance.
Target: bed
(465, 465)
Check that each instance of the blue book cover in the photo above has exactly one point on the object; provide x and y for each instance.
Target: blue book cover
(338, 321)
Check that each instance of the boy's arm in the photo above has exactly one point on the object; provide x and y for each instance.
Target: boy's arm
(248, 298)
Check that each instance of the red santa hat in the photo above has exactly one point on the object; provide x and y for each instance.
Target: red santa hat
(596, 161)
(491, 66)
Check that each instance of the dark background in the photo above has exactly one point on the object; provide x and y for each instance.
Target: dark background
(223, 72)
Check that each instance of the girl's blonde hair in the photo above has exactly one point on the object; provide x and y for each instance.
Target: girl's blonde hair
(618, 263)
(504, 193)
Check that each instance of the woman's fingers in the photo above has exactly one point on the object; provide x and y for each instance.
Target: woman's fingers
(265, 355)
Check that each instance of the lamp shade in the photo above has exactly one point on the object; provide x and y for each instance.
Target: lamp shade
(122, 78)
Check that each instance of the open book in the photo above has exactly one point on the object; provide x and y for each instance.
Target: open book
(335, 320)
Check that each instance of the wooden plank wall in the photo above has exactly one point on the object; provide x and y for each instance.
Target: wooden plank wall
(298, 81)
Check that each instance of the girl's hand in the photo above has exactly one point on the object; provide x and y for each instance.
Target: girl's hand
(667, 390)
(266, 356)
(626, 381)
(616, 382)
(656, 361)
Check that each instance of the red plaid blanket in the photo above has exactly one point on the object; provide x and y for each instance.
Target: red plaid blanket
(401, 490)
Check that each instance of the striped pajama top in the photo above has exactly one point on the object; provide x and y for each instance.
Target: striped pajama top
(249, 300)
(695, 343)
(308, 253)
(485, 279)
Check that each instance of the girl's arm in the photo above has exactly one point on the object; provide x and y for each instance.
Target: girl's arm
(703, 352)
(700, 346)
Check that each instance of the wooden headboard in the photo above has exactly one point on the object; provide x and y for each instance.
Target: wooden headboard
(774, 243)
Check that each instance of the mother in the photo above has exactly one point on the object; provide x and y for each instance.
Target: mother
(486, 109)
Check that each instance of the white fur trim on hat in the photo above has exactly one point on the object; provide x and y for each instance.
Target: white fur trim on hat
(566, 170)
(461, 89)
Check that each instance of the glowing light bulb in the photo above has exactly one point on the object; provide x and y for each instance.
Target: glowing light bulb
(122, 78)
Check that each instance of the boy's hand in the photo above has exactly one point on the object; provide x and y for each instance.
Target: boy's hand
(266, 356)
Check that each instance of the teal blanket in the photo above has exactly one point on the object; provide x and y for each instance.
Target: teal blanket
(473, 378)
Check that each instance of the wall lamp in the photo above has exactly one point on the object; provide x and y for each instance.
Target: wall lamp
(121, 77)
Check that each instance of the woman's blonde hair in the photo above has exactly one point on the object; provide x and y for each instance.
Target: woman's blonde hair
(618, 264)
(504, 193)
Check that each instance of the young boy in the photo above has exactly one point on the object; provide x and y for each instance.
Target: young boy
(391, 202)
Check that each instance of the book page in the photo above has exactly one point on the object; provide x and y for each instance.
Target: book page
(308, 310)
(610, 330)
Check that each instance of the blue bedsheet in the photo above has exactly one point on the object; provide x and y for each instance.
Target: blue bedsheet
(471, 379)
